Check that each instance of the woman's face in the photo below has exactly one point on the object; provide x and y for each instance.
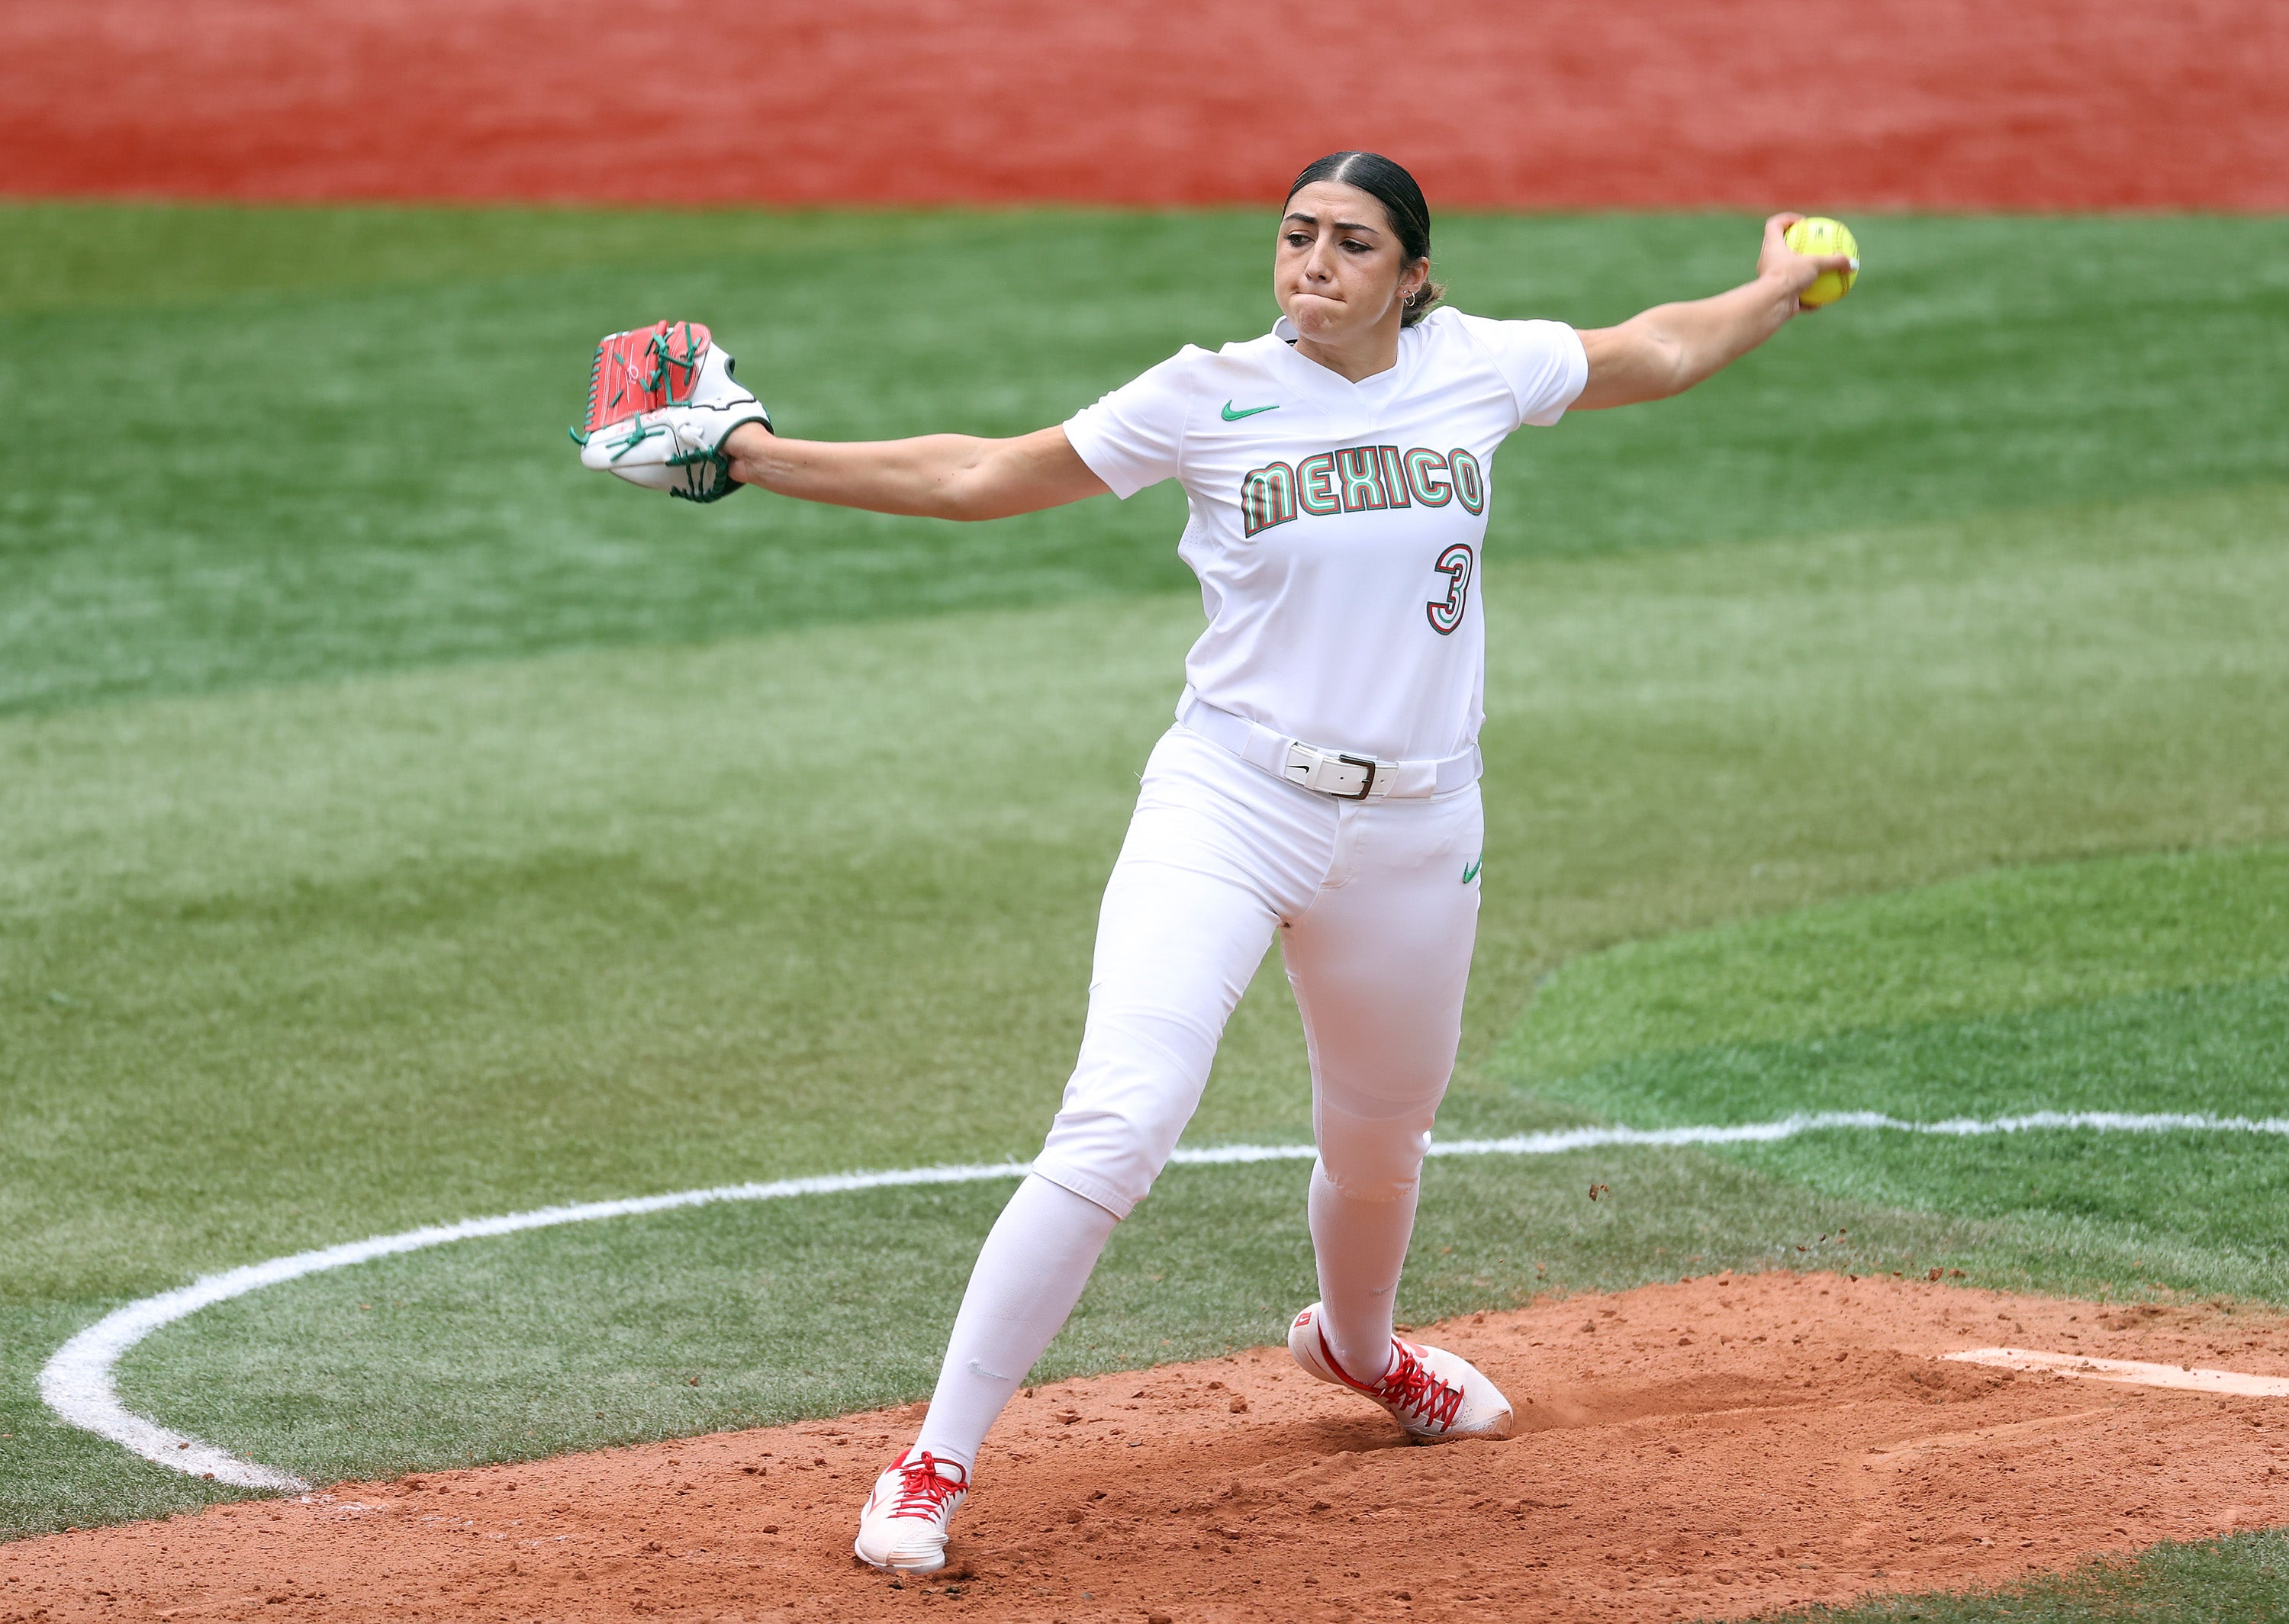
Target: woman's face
(1339, 270)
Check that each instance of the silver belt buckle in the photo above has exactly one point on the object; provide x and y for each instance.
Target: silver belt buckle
(1344, 777)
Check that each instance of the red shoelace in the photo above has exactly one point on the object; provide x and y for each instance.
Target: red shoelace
(1417, 1390)
(924, 1489)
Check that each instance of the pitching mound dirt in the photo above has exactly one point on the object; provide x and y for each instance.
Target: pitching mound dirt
(1713, 1448)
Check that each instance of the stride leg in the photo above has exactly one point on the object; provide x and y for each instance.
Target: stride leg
(1028, 1277)
(1214, 851)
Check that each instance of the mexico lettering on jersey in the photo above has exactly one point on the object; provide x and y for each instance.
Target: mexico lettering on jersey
(1361, 478)
(1335, 527)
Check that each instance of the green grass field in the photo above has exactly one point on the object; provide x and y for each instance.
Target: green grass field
(398, 825)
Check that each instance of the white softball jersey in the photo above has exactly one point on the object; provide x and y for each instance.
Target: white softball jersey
(1336, 527)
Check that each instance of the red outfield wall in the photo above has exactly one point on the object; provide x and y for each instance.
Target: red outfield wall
(2064, 104)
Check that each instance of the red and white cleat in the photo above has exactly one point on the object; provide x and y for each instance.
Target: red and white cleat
(903, 1524)
(1435, 1395)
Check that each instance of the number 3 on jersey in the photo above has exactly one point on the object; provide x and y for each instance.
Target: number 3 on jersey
(1447, 613)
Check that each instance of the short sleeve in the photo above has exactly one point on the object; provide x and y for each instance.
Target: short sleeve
(1135, 436)
(1543, 362)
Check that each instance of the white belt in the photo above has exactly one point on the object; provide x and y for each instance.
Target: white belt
(1330, 772)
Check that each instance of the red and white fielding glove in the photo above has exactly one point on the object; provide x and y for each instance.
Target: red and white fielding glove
(661, 400)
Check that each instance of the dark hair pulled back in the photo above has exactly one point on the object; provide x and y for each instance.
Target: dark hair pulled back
(1401, 199)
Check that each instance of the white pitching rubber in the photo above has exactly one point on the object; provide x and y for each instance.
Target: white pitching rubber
(2186, 1378)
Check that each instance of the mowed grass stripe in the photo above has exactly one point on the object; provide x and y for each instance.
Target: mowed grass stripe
(332, 441)
(298, 967)
(2064, 936)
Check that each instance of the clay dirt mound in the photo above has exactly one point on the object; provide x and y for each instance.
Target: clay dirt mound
(1979, 104)
(1714, 1448)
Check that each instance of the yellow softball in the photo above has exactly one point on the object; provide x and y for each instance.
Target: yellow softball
(1817, 236)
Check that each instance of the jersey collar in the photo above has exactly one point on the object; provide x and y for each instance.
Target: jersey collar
(1285, 332)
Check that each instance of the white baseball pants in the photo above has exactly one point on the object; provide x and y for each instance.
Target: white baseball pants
(1376, 906)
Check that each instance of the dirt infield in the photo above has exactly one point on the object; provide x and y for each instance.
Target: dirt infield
(1714, 1448)
(2004, 104)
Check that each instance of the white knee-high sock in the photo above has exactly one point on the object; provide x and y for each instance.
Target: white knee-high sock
(1361, 1246)
(1029, 1275)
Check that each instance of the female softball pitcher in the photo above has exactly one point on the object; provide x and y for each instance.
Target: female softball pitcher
(1320, 783)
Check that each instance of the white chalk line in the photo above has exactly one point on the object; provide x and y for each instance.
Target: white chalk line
(76, 1383)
